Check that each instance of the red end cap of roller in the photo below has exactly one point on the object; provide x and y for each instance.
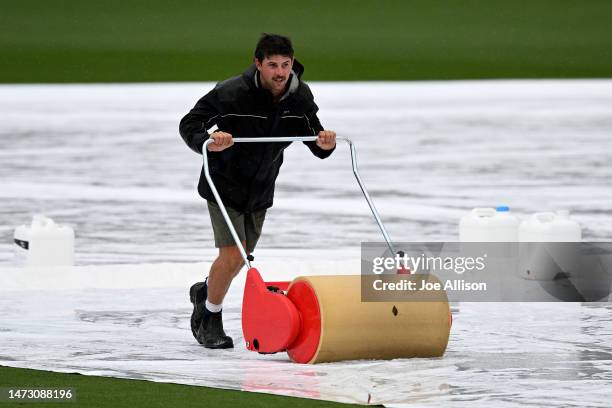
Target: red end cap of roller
(305, 346)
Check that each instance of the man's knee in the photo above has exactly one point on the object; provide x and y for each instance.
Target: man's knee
(231, 256)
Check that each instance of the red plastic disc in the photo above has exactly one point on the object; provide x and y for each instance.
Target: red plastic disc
(304, 347)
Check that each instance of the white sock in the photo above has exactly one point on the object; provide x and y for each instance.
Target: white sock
(212, 308)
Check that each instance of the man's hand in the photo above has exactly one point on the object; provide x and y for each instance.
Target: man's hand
(222, 141)
(326, 139)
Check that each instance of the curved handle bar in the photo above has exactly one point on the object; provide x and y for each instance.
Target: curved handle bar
(287, 139)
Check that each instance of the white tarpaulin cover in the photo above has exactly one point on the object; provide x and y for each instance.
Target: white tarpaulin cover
(107, 160)
(501, 354)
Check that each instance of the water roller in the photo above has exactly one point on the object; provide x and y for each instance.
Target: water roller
(319, 319)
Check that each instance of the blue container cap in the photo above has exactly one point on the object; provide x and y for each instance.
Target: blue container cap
(502, 208)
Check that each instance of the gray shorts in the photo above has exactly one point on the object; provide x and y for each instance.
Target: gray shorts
(247, 225)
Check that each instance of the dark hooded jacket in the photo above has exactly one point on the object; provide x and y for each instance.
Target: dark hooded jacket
(245, 173)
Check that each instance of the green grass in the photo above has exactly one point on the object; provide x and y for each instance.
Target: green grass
(193, 40)
(98, 392)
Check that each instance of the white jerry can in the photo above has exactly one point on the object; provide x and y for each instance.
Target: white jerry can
(489, 225)
(550, 227)
(548, 246)
(44, 243)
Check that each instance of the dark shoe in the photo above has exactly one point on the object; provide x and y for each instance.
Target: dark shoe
(211, 333)
(197, 296)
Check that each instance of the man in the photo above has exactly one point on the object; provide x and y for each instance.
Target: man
(268, 99)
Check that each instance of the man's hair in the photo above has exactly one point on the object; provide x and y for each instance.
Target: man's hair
(273, 44)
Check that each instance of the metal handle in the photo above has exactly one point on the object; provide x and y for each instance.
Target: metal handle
(287, 139)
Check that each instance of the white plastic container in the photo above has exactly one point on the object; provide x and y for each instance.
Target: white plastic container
(550, 227)
(548, 246)
(489, 225)
(44, 243)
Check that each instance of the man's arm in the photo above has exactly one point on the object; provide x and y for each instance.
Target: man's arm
(326, 143)
(194, 126)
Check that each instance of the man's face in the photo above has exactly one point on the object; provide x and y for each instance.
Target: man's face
(274, 72)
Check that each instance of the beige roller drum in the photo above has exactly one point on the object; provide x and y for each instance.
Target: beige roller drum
(336, 325)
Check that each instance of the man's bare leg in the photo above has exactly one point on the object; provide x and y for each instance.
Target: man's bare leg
(222, 272)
